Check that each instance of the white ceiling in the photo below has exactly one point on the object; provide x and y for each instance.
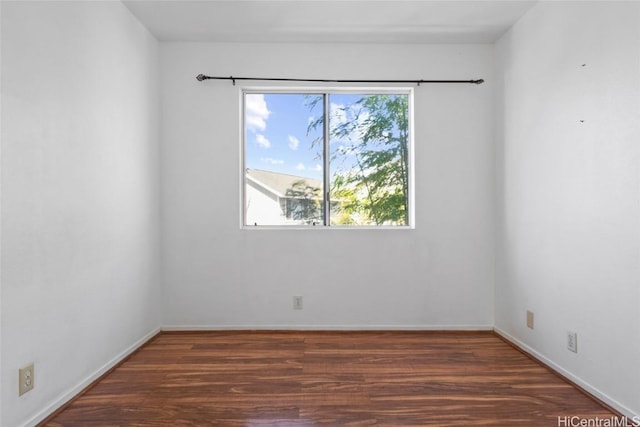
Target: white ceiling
(332, 21)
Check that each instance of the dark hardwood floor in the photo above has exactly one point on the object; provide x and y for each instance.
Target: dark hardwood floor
(244, 378)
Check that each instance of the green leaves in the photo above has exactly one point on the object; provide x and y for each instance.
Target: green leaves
(369, 170)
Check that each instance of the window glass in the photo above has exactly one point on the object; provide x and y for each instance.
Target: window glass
(283, 160)
(369, 157)
(356, 143)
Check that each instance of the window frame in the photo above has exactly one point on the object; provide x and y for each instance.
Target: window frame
(325, 91)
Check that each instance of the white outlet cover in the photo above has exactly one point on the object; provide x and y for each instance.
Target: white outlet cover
(530, 319)
(25, 379)
(572, 341)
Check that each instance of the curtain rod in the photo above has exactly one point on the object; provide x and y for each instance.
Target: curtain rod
(202, 77)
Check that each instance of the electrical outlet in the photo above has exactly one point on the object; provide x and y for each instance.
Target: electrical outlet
(297, 302)
(572, 341)
(25, 378)
(529, 319)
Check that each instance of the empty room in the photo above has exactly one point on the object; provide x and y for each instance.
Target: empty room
(320, 212)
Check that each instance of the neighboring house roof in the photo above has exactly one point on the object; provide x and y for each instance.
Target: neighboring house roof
(279, 183)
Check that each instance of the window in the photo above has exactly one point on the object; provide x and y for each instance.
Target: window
(327, 158)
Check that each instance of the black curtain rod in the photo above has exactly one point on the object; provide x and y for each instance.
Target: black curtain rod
(202, 77)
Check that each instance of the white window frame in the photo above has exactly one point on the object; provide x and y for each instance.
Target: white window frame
(321, 90)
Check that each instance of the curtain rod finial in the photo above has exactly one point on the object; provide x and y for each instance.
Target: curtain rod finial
(479, 81)
(201, 77)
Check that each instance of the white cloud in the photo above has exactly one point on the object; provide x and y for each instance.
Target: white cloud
(342, 114)
(349, 150)
(300, 167)
(262, 141)
(318, 167)
(272, 161)
(338, 115)
(362, 119)
(256, 112)
(293, 142)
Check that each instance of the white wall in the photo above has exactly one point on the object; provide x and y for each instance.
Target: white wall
(439, 275)
(569, 201)
(80, 196)
(1, 97)
(262, 206)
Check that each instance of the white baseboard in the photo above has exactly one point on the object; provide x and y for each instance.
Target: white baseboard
(560, 370)
(303, 327)
(70, 394)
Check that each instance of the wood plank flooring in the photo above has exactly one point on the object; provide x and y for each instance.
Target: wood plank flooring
(286, 378)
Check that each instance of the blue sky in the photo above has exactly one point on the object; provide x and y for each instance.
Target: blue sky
(276, 134)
